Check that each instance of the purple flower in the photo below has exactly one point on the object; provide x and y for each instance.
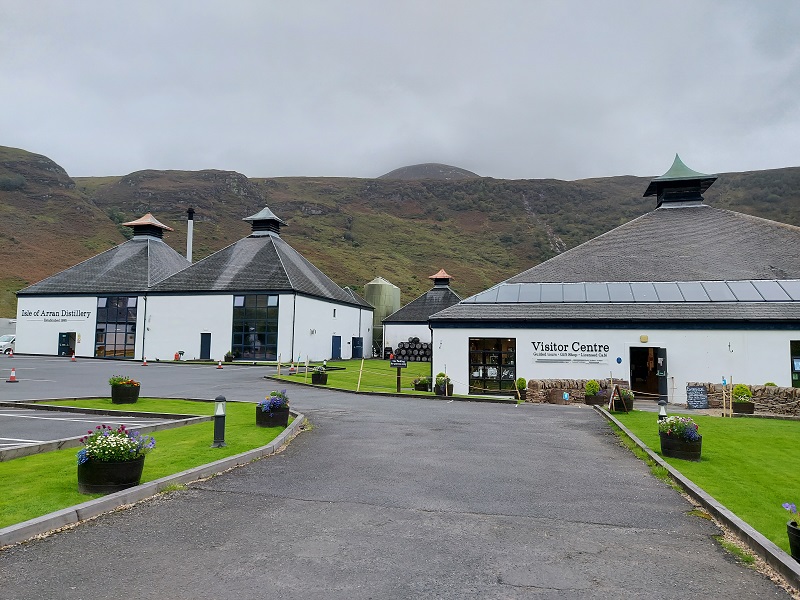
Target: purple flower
(791, 507)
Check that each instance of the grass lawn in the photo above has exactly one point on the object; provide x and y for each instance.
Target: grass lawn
(43, 483)
(377, 376)
(750, 465)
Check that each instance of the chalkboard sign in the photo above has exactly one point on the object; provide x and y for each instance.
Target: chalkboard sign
(696, 396)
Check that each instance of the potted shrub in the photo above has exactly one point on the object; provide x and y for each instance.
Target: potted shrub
(124, 390)
(623, 402)
(680, 438)
(319, 376)
(742, 400)
(592, 393)
(273, 411)
(422, 384)
(793, 529)
(443, 385)
(522, 388)
(229, 356)
(111, 459)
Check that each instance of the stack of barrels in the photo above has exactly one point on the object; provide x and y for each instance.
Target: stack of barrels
(413, 350)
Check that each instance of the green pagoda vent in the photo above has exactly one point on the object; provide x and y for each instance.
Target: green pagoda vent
(680, 185)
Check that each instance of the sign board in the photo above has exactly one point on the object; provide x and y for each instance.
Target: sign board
(398, 363)
(696, 396)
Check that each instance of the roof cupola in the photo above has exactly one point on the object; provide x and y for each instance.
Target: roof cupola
(264, 223)
(680, 185)
(148, 226)
(440, 279)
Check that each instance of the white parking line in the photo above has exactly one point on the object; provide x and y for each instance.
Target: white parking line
(129, 421)
(19, 441)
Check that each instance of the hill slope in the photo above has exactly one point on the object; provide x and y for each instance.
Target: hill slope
(480, 230)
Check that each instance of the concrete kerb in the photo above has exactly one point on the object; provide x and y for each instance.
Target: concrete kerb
(774, 556)
(21, 532)
(488, 399)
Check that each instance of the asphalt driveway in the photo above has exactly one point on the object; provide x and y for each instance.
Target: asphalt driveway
(403, 498)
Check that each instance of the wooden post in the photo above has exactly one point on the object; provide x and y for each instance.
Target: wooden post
(306, 375)
(399, 370)
(360, 371)
(279, 365)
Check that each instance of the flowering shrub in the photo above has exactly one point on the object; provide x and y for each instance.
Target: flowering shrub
(626, 395)
(122, 380)
(680, 427)
(792, 508)
(319, 369)
(105, 444)
(275, 401)
(741, 393)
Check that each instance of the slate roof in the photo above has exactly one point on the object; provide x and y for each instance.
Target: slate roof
(589, 314)
(261, 262)
(418, 311)
(680, 243)
(130, 268)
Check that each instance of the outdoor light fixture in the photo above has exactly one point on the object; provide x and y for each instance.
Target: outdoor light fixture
(662, 410)
(219, 422)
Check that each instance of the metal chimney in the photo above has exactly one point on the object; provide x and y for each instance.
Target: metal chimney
(189, 233)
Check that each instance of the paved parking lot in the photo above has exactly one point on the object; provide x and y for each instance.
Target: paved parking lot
(27, 426)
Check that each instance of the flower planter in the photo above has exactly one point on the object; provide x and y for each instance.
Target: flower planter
(620, 406)
(277, 418)
(675, 447)
(744, 408)
(124, 394)
(794, 539)
(422, 387)
(319, 378)
(96, 477)
(439, 389)
(523, 395)
(596, 399)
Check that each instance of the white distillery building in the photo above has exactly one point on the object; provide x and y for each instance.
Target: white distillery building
(258, 299)
(411, 321)
(685, 293)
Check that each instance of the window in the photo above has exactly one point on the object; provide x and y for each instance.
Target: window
(115, 331)
(255, 327)
(492, 365)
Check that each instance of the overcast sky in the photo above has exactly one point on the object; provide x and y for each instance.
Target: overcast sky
(523, 89)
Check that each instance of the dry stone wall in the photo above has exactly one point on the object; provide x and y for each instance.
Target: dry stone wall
(769, 399)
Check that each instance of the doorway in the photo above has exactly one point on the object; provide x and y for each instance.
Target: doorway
(205, 346)
(644, 373)
(66, 343)
(336, 348)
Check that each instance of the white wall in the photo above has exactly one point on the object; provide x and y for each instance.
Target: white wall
(40, 320)
(751, 357)
(315, 325)
(172, 323)
(393, 333)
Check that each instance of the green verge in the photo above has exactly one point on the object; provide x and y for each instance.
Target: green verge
(748, 464)
(377, 376)
(43, 483)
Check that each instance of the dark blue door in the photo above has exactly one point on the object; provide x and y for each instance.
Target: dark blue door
(358, 347)
(336, 348)
(205, 346)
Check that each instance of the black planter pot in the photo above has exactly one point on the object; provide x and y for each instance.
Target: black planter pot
(744, 408)
(675, 447)
(439, 389)
(596, 399)
(319, 378)
(277, 418)
(523, 394)
(794, 539)
(422, 387)
(96, 477)
(124, 394)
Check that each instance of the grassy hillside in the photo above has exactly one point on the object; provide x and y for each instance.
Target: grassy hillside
(480, 230)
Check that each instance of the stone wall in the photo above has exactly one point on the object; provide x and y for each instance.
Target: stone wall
(552, 390)
(769, 399)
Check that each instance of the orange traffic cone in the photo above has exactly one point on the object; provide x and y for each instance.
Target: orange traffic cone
(13, 378)
(292, 370)
(144, 361)
(219, 365)
(73, 356)
(10, 353)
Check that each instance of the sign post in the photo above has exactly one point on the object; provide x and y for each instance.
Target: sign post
(399, 364)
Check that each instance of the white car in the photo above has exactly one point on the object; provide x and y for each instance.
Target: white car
(7, 343)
